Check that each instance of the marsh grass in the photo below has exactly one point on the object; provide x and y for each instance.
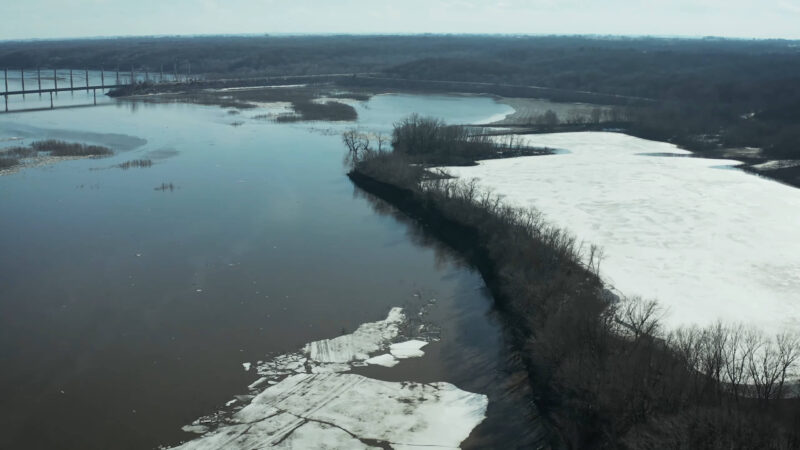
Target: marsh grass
(62, 148)
(312, 111)
(165, 187)
(15, 156)
(6, 162)
(136, 163)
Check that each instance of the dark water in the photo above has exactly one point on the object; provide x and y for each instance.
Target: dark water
(126, 312)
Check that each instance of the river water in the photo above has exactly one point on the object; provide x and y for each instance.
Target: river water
(127, 312)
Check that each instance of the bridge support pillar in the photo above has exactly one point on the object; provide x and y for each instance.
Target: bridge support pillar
(94, 93)
(51, 99)
(102, 77)
(55, 80)
(39, 78)
(87, 81)
(22, 79)
(71, 83)
(5, 75)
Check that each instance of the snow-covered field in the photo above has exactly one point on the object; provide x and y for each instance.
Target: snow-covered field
(708, 241)
(310, 402)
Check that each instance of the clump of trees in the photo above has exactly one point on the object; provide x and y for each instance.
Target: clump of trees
(426, 140)
(607, 373)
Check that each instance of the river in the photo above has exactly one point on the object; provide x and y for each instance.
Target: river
(127, 312)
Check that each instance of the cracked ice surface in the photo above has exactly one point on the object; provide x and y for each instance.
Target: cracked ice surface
(349, 411)
(358, 345)
(706, 242)
(309, 403)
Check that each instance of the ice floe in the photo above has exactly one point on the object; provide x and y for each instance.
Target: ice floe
(367, 339)
(309, 402)
(350, 411)
(407, 349)
(385, 360)
(707, 241)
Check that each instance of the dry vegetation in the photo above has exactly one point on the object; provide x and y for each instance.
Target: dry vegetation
(136, 163)
(608, 375)
(16, 156)
(304, 101)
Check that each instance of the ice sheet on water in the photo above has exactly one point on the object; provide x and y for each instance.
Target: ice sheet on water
(350, 411)
(309, 403)
(707, 243)
(367, 339)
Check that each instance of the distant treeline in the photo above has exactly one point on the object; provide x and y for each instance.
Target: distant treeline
(606, 373)
(700, 93)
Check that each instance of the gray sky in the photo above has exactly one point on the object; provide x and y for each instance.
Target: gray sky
(23, 19)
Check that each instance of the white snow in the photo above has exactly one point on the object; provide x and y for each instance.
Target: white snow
(349, 411)
(246, 366)
(709, 242)
(407, 349)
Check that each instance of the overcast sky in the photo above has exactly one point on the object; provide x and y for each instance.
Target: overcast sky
(24, 19)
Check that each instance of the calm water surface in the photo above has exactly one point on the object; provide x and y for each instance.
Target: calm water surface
(126, 312)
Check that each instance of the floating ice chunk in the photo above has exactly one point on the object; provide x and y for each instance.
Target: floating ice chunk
(408, 349)
(257, 383)
(230, 402)
(246, 366)
(385, 360)
(345, 411)
(368, 338)
(198, 429)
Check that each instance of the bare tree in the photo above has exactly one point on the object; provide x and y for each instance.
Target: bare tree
(358, 145)
(639, 317)
(788, 346)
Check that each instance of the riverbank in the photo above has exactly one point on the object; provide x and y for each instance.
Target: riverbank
(604, 371)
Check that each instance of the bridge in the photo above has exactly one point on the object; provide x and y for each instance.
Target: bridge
(118, 81)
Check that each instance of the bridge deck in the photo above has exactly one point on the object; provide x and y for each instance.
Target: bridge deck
(64, 89)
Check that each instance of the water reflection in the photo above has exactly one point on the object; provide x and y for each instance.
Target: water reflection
(475, 354)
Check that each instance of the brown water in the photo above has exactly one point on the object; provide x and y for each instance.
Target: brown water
(126, 312)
